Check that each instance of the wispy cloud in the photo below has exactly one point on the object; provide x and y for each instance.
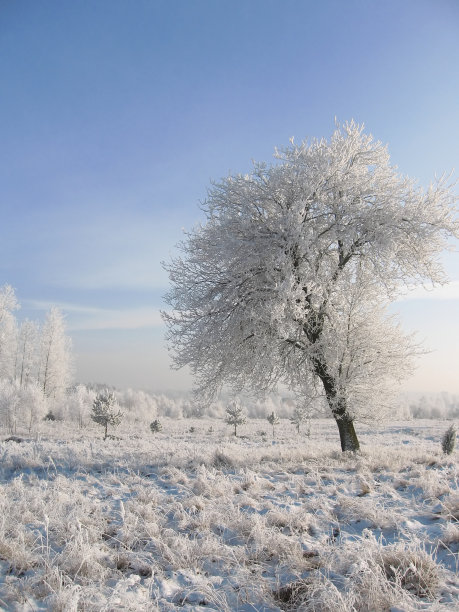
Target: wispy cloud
(126, 274)
(64, 306)
(135, 318)
(81, 318)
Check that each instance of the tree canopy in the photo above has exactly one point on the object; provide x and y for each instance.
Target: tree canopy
(289, 278)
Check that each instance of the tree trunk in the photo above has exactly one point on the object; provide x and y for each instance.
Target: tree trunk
(45, 375)
(348, 437)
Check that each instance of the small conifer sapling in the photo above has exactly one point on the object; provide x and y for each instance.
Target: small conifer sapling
(104, 411)
(449, 440)
(300, 415)
(235, 415)
(273, 420)
(155, 426)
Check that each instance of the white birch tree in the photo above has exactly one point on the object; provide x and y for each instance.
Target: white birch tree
(32, 405)
(55, 372)
(27, 352)
(8, 331)
(9, 402)
(79, 404)
(289, 278)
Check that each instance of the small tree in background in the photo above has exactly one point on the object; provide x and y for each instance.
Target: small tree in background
(9, 404)
(8, 331)
(156, 426)
(273, 420)
(79, 404)
(27, 352)
(104, 411)
(235, 415)
(300, 415)
(33, 405)
(449, 440)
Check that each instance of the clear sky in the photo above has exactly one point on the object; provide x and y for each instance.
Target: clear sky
(115, 116)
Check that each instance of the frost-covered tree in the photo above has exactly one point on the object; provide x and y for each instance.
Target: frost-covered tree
(139, 405)
(273, 420)
(9, 404)
(299, 416)
(235, 415)
(55, 371)
(289, 278)
(104, 411)
(32, 405)
(20, 407)
(79, 404)
(168, 406)
(27, 352)
(8, 331)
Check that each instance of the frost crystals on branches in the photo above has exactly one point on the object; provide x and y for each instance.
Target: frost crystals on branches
(289, 279)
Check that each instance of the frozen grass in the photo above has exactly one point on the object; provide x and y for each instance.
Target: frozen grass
(202, 520)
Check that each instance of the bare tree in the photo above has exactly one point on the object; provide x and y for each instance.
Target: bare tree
(289, 278)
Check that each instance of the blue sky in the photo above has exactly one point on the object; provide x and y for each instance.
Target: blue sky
(115, 116)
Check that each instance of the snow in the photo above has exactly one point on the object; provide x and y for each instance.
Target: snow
(204, 520)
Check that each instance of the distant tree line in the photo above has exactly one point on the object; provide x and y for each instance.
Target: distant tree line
(36, 382)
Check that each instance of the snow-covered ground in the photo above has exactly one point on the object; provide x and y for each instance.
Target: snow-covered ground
(194, 519)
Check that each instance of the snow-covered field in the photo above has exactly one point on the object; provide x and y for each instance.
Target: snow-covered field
(198, 520)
